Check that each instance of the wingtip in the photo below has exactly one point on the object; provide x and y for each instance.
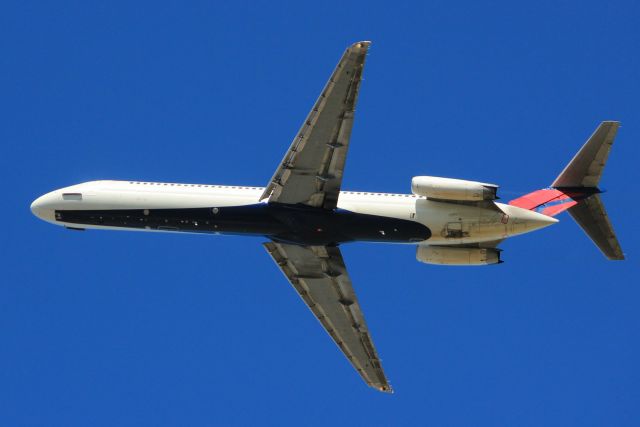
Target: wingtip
(363, 44)
(385, 388)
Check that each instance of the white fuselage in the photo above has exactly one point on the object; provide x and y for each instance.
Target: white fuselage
(451, 223)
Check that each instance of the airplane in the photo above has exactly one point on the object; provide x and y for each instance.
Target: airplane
(305, 215)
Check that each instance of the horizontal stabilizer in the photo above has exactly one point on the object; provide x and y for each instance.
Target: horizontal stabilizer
(585, 169)
(576, 191)
(592, 218)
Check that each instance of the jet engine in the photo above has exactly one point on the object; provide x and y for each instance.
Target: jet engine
(435, 187)
(448, 255)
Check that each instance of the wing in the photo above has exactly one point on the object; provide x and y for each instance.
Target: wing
(311, 171)
(320, 277)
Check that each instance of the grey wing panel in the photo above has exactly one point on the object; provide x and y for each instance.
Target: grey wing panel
(319, 275)
(593, 219)
(585, 169)
(311, 171)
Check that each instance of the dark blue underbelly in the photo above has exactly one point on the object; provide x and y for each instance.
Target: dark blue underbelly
(285, 223)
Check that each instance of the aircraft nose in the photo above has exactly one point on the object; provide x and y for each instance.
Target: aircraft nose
(43, 208)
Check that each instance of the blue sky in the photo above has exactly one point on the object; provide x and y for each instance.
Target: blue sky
(123, 328)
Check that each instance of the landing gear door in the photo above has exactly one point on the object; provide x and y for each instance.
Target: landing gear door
(453, 230)
(460, 230)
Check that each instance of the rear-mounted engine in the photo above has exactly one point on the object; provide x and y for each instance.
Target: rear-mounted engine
(435, 187)
(445, 255)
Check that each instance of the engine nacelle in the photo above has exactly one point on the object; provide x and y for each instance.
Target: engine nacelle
(446, 255)
(435, 187)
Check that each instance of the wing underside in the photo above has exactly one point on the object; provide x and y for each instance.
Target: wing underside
(319, 275)
(311, 171)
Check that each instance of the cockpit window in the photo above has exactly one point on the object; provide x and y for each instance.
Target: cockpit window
(71, 196)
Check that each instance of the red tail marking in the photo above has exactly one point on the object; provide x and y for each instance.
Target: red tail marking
(550, 201)
(556, 209)
(540, 197)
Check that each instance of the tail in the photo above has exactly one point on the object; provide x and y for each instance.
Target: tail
(576, 190)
